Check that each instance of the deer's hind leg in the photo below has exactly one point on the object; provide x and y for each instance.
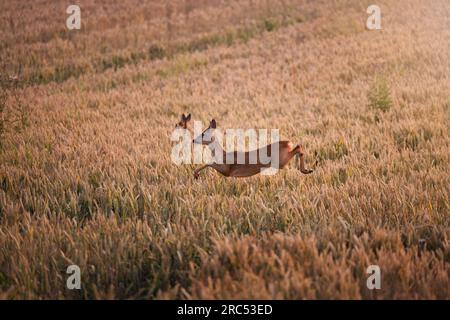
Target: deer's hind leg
(299, 150)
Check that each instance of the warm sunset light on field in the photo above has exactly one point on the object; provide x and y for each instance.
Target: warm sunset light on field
(89, 189)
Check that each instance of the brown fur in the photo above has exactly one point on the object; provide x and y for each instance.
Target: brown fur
(247, 169)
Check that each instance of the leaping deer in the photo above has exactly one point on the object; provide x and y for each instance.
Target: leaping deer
(286, 152)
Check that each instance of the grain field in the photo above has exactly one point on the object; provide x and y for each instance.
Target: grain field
(86, 175)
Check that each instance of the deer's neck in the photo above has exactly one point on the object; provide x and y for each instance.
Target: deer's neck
(216, 150)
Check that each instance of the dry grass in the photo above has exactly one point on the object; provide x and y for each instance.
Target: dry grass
(85, 170)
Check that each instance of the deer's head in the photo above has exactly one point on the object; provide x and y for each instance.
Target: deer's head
(207, 136)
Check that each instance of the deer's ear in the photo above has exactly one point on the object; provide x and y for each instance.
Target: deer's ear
(183, 117)
(212, 124)
(188, 118)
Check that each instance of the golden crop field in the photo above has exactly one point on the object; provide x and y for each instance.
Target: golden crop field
(86, 176)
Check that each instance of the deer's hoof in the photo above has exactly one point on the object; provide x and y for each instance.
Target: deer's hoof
(196, 176)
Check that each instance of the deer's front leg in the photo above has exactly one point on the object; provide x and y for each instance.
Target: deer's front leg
(196, 172)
